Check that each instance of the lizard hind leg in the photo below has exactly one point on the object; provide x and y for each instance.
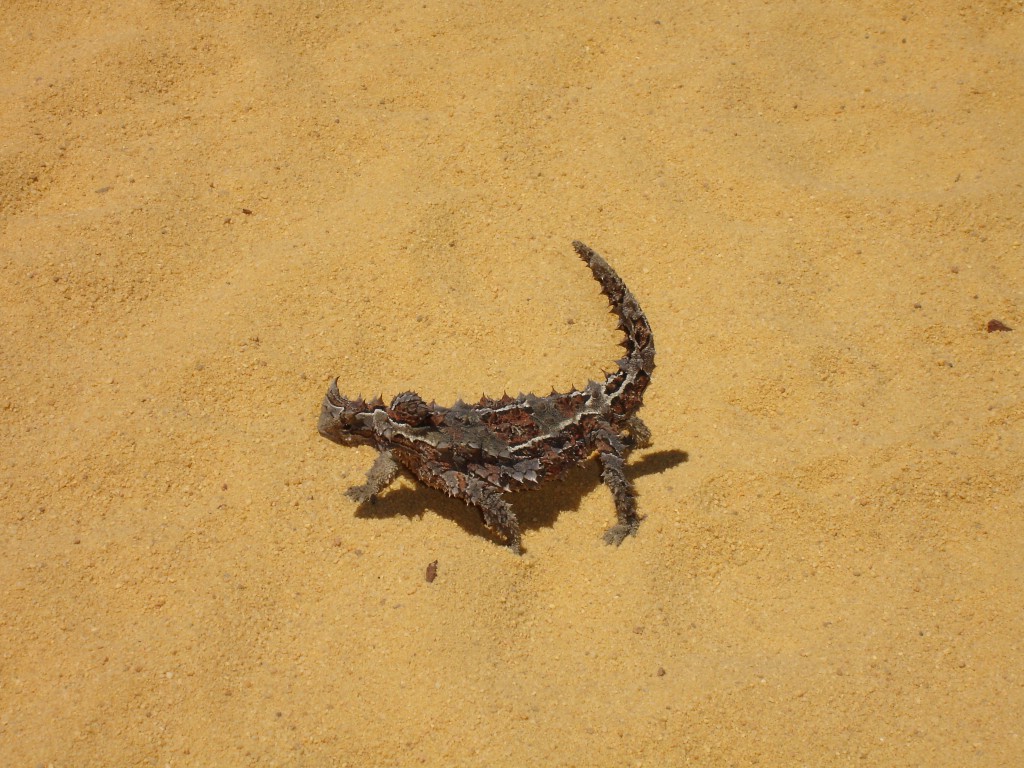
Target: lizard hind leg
(497, 513)
(640, 433)
(610, 452)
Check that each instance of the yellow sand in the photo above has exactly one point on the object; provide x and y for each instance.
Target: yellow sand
(209, 210)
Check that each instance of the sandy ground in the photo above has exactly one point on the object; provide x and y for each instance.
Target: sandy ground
(207, 210)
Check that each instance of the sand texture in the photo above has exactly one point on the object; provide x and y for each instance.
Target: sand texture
(208, 210)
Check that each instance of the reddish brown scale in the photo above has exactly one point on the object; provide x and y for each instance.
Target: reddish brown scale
(570, 404)
(513, 426)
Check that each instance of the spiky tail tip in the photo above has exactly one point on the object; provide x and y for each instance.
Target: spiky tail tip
(639, 342)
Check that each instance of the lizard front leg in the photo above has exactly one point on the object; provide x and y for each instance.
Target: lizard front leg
(611, 449)
(383, 471)
(496, 512)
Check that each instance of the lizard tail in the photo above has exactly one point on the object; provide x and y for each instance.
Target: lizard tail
(639, 341)
(628, 383)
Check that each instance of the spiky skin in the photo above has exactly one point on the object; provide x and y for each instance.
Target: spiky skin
(478, 452)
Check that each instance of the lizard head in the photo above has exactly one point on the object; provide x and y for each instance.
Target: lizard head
(344, 421)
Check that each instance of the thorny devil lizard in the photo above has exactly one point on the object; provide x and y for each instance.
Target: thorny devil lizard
(477, 452)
